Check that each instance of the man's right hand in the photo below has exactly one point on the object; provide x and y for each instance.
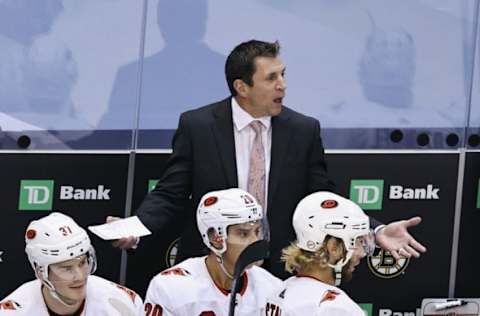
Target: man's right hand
(124, 243)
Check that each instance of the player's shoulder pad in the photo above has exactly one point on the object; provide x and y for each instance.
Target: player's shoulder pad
(108, 285)
(175, 276)
(175, 271)
(21, 298)
(263, 275)
(131, 294)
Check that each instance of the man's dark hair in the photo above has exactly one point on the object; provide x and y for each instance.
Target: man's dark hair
(241, 61)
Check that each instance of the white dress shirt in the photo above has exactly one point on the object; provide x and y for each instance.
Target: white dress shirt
(244, 136)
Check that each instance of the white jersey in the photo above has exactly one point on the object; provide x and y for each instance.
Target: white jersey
(103, 298)
(187, 289)
(302, 295)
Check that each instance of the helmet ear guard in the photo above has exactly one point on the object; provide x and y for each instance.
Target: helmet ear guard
(216, 240)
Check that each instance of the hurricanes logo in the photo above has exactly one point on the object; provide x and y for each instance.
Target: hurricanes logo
(329, 296)
(385, 266)
(9, 305)
(31, 233)
(171, 254)
(329, 204)
(210, 201)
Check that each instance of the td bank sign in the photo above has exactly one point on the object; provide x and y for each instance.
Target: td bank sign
(37, 195)
(368, 194)
(478, 194)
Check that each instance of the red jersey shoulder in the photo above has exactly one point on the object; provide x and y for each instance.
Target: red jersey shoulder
(329, 295)
(175, 271)
(129, 292)
(9, 305)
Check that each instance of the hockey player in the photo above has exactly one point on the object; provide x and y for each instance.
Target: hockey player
(333, 235)
(63, 260)
(228, 221)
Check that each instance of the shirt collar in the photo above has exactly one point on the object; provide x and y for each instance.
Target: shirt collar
(242, 118)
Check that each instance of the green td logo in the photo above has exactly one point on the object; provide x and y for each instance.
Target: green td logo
(368, 194)
(367, 309)
(478, 194)
(151, 184)
(36, 195)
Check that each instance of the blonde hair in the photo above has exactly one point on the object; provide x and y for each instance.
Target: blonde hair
(297, 259)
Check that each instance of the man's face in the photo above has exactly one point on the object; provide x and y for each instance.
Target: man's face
(266, 95)
(70, 278)
(240, 236)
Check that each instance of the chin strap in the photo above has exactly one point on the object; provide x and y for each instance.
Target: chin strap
(337, 271)
(338, 275)
(337, 268)
(58, 298)
(220, 262)
(53, 292)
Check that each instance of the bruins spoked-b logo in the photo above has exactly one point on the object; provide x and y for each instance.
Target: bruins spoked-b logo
(171, 253)
(384, 265)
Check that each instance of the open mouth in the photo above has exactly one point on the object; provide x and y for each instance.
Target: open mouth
(278, 100)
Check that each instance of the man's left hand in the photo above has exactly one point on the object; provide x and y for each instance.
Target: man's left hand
(395, 238)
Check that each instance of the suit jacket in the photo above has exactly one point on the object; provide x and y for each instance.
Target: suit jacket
(204, 160)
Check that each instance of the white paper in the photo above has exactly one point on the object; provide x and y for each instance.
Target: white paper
(130, 226)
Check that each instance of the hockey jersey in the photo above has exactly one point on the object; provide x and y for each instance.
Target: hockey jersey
(187, 289)
(103, 298)
(303, 295)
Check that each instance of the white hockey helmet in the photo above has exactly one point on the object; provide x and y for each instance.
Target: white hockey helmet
(323, 214)
(56, 238)
(219, 209)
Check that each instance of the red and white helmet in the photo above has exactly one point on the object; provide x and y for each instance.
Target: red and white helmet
(323, 214)
(219, 209)
(56, 238)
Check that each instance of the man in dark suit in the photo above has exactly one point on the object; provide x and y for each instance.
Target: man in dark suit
(212, 150)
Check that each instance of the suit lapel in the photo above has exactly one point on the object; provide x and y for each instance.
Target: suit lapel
(223, 131)
(281, 135)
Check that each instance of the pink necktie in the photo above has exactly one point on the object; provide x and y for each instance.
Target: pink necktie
(256, 173)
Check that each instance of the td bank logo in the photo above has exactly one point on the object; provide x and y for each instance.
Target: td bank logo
(367, 308)
(38, 194)
(368, 194)
(35, 195)
(152, 183)
(478, 194)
